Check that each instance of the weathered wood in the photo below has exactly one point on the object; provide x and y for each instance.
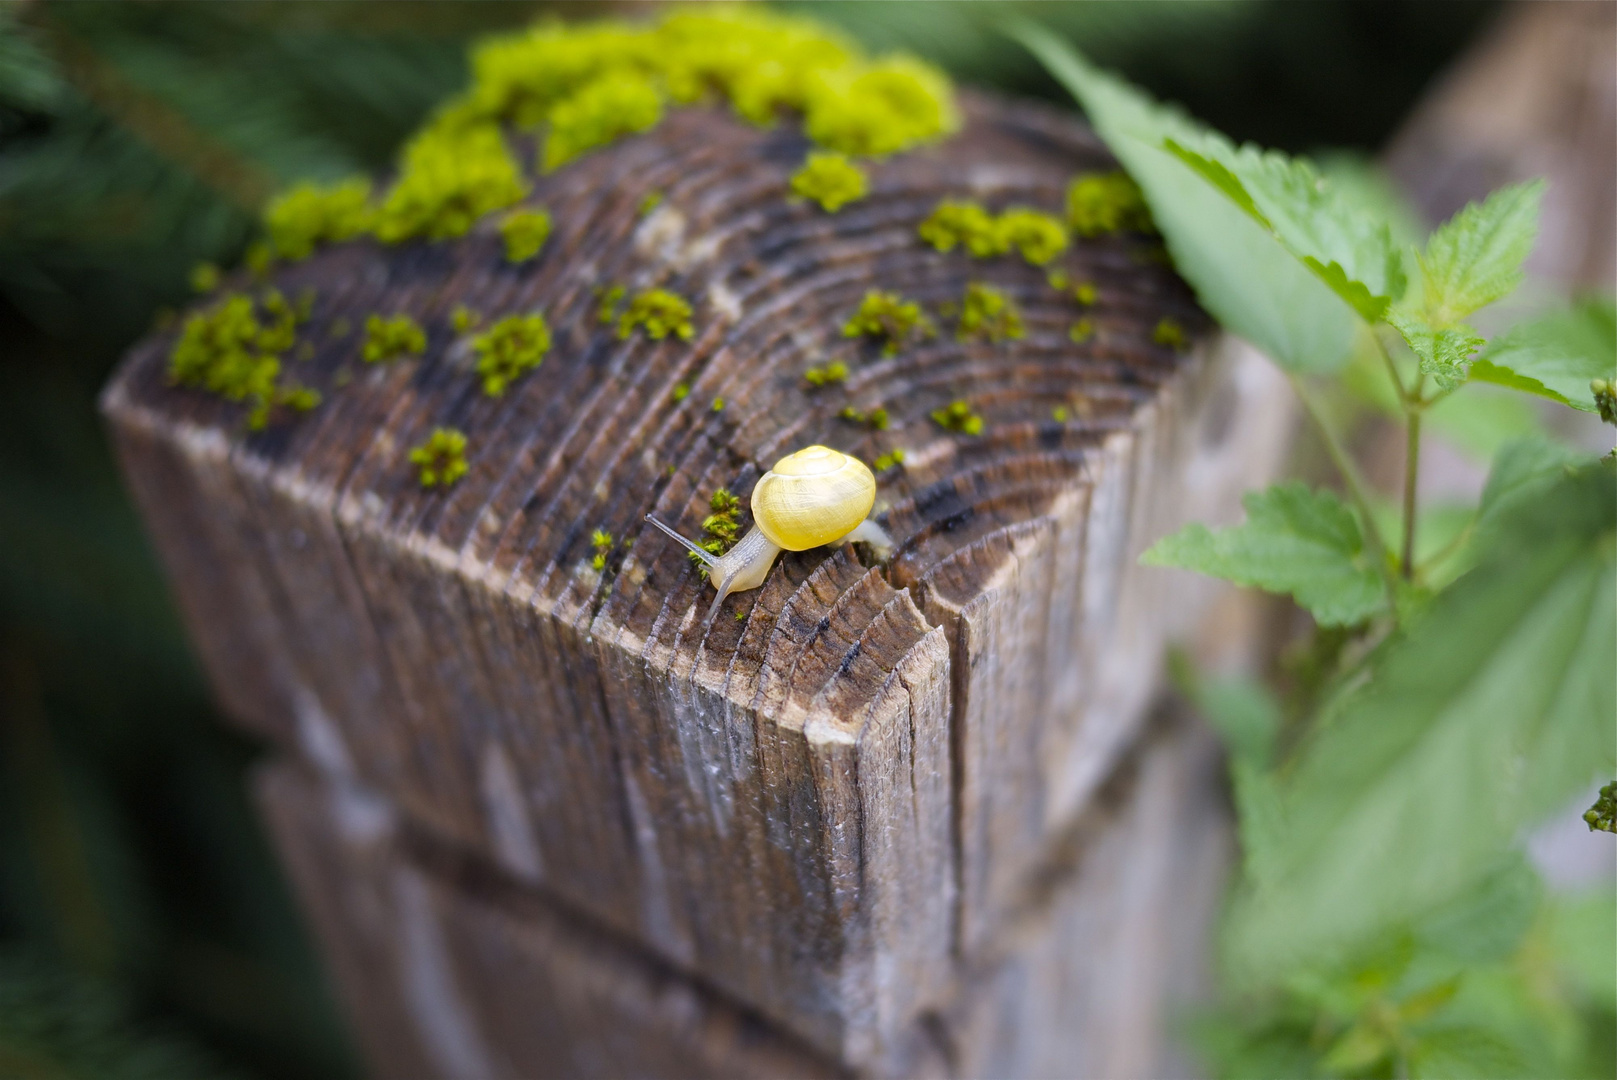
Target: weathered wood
(823, 803)
(450, 967)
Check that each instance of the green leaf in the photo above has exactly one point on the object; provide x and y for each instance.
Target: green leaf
(1444, 354)
(1522, 471)
(1224, 247)
(1297, 541)
(1557, 355)
(1346, 247)
(1476, 256)
(1492, 710)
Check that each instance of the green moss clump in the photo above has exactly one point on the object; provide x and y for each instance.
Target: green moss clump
(876, 418)
(603, 543)
(888, 460)
(660, 313)
(442, 458)
(890, 317)
(889, 106)
(512, 346)
(834, 372)
(390, 337)
(722, 528)
(451, 176)
(987, 313)
(616, 104)
(1102, 203)
(650, 202)
(1081, 331)
(525, 232)
(1168, 332)
(682, 391)
(230, 351)
(954, 223)
(463, 319)
(1084, 293)
(1040, 237)
(831, 180)
(957, 416)
(308, 214)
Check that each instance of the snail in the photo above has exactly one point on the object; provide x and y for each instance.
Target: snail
(814, 497)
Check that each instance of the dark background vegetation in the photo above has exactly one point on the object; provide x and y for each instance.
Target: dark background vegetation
(145, 929)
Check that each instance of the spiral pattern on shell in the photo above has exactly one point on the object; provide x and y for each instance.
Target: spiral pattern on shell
(816, 496)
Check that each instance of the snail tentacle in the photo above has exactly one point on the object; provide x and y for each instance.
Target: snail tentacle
(706, 556)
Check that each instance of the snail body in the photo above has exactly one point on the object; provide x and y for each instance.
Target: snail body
(813, 497)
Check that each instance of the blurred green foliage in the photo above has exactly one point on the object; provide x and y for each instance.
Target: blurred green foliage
(144, 927)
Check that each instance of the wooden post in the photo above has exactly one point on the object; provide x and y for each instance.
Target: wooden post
(832, 803)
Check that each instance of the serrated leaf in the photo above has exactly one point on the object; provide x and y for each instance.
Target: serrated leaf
(1242, 274)
(1476, 256)
(1491, 711)
(1444, 354)
(1346, 247)
(1297, 541)
(1557, 355)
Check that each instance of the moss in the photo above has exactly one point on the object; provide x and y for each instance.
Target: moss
(1081, 331)
(650, 202)
(954, 223)
(525, 232)
(463, 319)
(888, 460)
(1040, 237)
(957, 416)
(1168, 332)
(660, 313)
(1058, 280)
(1084, 293)
(390, 337)
(891, 105)
(441, 459)
(987, 313)
(234, 349)
(506, 350)
(1103, 203)
(450, 177)
(204, 277)
(721, 528)
(1060, 414)
(876, 418)
(607, 311)
(682, 391)
(603, 543)
(717, 406)
(615, 104)
(831, 180)
(829, 375)
(889, 317)
(260, 258)
(308, 214)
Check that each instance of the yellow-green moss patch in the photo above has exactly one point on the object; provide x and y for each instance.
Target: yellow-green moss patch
(658, 312)
(1040, 237)
(831, 180)
(441, 460)
(957, 416)
(234, 349)
(958, 223)
(1101, 203)
(388, 337)
(450, 177)
(309, 214)
(525, 233)
(510, 347)
(889, 317)
(829, 374)
(987, 313)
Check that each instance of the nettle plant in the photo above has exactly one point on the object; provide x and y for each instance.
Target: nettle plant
(1457, 687)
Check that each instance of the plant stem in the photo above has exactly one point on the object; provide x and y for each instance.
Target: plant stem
(1411, 473)
(1350, 475)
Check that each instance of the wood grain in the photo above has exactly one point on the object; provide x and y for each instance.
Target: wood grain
(826, 800)
(450, 967)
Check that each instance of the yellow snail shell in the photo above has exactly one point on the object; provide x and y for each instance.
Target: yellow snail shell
(813, 497)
